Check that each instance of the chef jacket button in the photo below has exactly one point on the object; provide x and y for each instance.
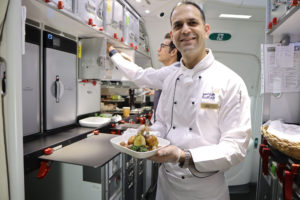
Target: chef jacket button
(182, 177)
(199, 77)
(193, 102)
(190, 129)
(174, 127)
(175, 102)
(177, 79)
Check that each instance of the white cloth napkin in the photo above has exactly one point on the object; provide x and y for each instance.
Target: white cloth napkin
(289, 132)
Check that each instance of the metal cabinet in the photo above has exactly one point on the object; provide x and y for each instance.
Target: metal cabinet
(31, 82)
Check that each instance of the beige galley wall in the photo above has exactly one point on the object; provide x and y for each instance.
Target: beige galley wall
(4, 193)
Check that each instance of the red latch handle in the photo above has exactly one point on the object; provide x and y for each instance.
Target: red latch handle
(265, 141)
(115, 35)
(90, 21)
(274, 21)
(44, 169)
(279, 171)
(294, 3)
(60, 5)
(270, 25)
(265, 160)
(287, 185)
(295, 168)
(48, 151)
(261, 146)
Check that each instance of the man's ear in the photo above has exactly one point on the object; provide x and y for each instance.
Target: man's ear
(207, 30)
(173, 52)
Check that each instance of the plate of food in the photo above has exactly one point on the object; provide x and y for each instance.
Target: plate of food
(139, 144)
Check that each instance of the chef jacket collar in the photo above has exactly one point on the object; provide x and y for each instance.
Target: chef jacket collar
(203, 64)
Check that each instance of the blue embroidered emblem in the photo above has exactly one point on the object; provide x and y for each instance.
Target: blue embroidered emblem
(208, 96)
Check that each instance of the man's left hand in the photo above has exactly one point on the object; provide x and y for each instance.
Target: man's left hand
(170, 153)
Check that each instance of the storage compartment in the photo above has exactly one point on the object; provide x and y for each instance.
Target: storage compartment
(90, 12)
(114, 19)
(143, 39)
(92, 58)
(59, 81)
(63, 4)
(131, 30)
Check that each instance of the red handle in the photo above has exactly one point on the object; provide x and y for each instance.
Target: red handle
(261, 146)
(115, 35)
(96, 132)
(270, 25)
(294, 3)
(265, 160)
(60, 5)
(279, 171)
(287, 185)
(44, 169)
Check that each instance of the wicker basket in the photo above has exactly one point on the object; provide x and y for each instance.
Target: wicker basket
(289, 148)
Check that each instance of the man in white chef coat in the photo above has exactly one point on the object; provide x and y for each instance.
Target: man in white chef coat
(204, 111)
(169, 56)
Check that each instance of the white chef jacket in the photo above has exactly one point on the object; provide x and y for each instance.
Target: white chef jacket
(205, 110)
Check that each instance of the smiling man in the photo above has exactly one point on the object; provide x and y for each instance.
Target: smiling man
(204, 111)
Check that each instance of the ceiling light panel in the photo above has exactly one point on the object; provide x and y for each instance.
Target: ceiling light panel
(235, 16)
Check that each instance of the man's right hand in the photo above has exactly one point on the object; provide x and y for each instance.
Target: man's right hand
(109, 47)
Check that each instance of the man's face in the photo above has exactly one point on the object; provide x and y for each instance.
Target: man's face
(163, 51)
(188, 29)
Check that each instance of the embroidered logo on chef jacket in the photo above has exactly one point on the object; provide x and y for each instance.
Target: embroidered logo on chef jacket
(208, 100)
(210, 96)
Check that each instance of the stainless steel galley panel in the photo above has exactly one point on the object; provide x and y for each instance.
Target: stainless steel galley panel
(31, 81)
(93, 57)
(114, 19)
(60, 81)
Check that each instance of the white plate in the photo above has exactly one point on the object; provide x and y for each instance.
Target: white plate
(140, 155)
(94, 122)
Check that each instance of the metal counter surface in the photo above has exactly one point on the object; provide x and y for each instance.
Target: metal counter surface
(54, 139)
(93, 151)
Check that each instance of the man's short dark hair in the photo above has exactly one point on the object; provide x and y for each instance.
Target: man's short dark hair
(189, 3)
(167, 36)
(172, 47)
